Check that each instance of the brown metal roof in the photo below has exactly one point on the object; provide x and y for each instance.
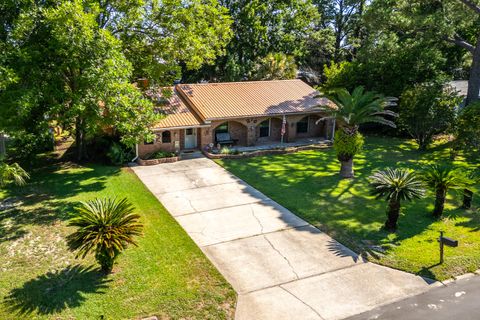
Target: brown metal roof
(177, 114)
(250, 98)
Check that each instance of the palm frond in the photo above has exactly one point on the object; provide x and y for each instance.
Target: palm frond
(399, 184)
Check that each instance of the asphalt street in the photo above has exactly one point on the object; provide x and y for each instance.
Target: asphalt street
(459, 300)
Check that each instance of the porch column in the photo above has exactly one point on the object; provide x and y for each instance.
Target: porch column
(251, 134)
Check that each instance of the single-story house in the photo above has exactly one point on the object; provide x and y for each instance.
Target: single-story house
(247, 113)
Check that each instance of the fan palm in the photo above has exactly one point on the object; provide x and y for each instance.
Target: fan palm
(352, 110)
(441, 179)
(12, 173)
(395, 185)
(105, 227)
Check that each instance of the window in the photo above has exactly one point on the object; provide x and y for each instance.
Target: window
(223, 128)
(302, 125)
(265, 128)
(166, 137)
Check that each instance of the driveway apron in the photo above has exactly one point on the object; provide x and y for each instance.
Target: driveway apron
(280, 266)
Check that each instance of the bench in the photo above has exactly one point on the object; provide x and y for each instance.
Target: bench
(224, 138)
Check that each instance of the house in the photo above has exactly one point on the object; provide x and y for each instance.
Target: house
(247, 113)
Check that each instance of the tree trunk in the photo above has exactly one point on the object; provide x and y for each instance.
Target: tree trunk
(467, 199)
(474, 79)
(393, 213)
(439, 202)
(80, 138)
(346, 169)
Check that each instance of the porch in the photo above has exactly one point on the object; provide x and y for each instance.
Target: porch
(271, 145)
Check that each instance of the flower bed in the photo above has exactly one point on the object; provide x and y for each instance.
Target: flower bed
(262, 152)
(158, 158)
(152, 162)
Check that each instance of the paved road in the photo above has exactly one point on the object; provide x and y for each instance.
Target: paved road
(280, 266)
(456, 301)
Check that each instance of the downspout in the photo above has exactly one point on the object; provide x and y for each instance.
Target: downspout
(136, 153)
(333, 129)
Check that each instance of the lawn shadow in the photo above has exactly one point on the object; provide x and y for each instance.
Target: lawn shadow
(43, 201)
(56, 291)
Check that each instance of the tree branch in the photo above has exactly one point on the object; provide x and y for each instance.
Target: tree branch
(461, 42)
(471, 5)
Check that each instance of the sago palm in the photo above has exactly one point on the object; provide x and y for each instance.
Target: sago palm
(12, 173)
(395, 185)
(350, 111)
(472, 179)
(105, 227)
(440, 179)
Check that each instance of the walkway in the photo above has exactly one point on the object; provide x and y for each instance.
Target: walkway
(281, 267)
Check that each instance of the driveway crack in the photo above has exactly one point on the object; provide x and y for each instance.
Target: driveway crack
(256, 218)
(284, 257)
(303, 302)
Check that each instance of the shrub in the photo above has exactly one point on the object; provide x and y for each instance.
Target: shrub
(468, 128)
(426, 110)
(12, 173)
(346, 146)
(226, 150)
(105, 227)
(161, 154)
(118, 154)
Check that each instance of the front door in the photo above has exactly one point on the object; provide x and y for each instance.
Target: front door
(190, 138)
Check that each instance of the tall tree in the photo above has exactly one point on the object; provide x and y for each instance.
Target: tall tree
(74, 61)
(261, 27)
(451, 21)
(344, 18)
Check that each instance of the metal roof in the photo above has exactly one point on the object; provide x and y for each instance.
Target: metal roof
(250, 98)
(177, 114)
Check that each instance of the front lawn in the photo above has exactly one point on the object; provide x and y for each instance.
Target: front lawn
(308, 184)
(166, 275)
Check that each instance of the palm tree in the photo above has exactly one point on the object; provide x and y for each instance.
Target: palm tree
(12, 173)
(352, 110)
(440, 179)
(395, 185)
(105, 228)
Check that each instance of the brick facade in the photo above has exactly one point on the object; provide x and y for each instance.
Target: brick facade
(246, 131)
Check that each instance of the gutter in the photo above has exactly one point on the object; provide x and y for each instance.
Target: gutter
(136, 153)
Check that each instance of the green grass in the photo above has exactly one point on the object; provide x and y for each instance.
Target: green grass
(166, 275)
(308, 184)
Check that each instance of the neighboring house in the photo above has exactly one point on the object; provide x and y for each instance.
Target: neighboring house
(250, 113)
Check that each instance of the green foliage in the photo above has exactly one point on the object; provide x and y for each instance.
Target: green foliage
(347, 145)
(275, 66)
(340, 75)
(105, 227)
(261, 27)
(428, 109)
(358, 107)
(12, 173)
(118, 154)
(161, 154)
(396, 184)
(226, 150)
(441, 178)
(468, 128)
(73, 62)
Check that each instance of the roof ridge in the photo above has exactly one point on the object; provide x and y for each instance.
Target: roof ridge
(237, 82)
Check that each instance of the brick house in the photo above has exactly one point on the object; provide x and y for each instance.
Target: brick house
(251, 112)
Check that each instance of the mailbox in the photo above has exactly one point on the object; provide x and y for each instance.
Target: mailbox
(444, 241)
(449, 242)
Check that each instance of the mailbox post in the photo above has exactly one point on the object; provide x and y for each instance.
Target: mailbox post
(447, 242)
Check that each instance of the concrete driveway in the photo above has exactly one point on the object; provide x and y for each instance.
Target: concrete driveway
(281, 267)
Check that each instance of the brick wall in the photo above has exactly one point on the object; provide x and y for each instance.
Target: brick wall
(158, 145)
